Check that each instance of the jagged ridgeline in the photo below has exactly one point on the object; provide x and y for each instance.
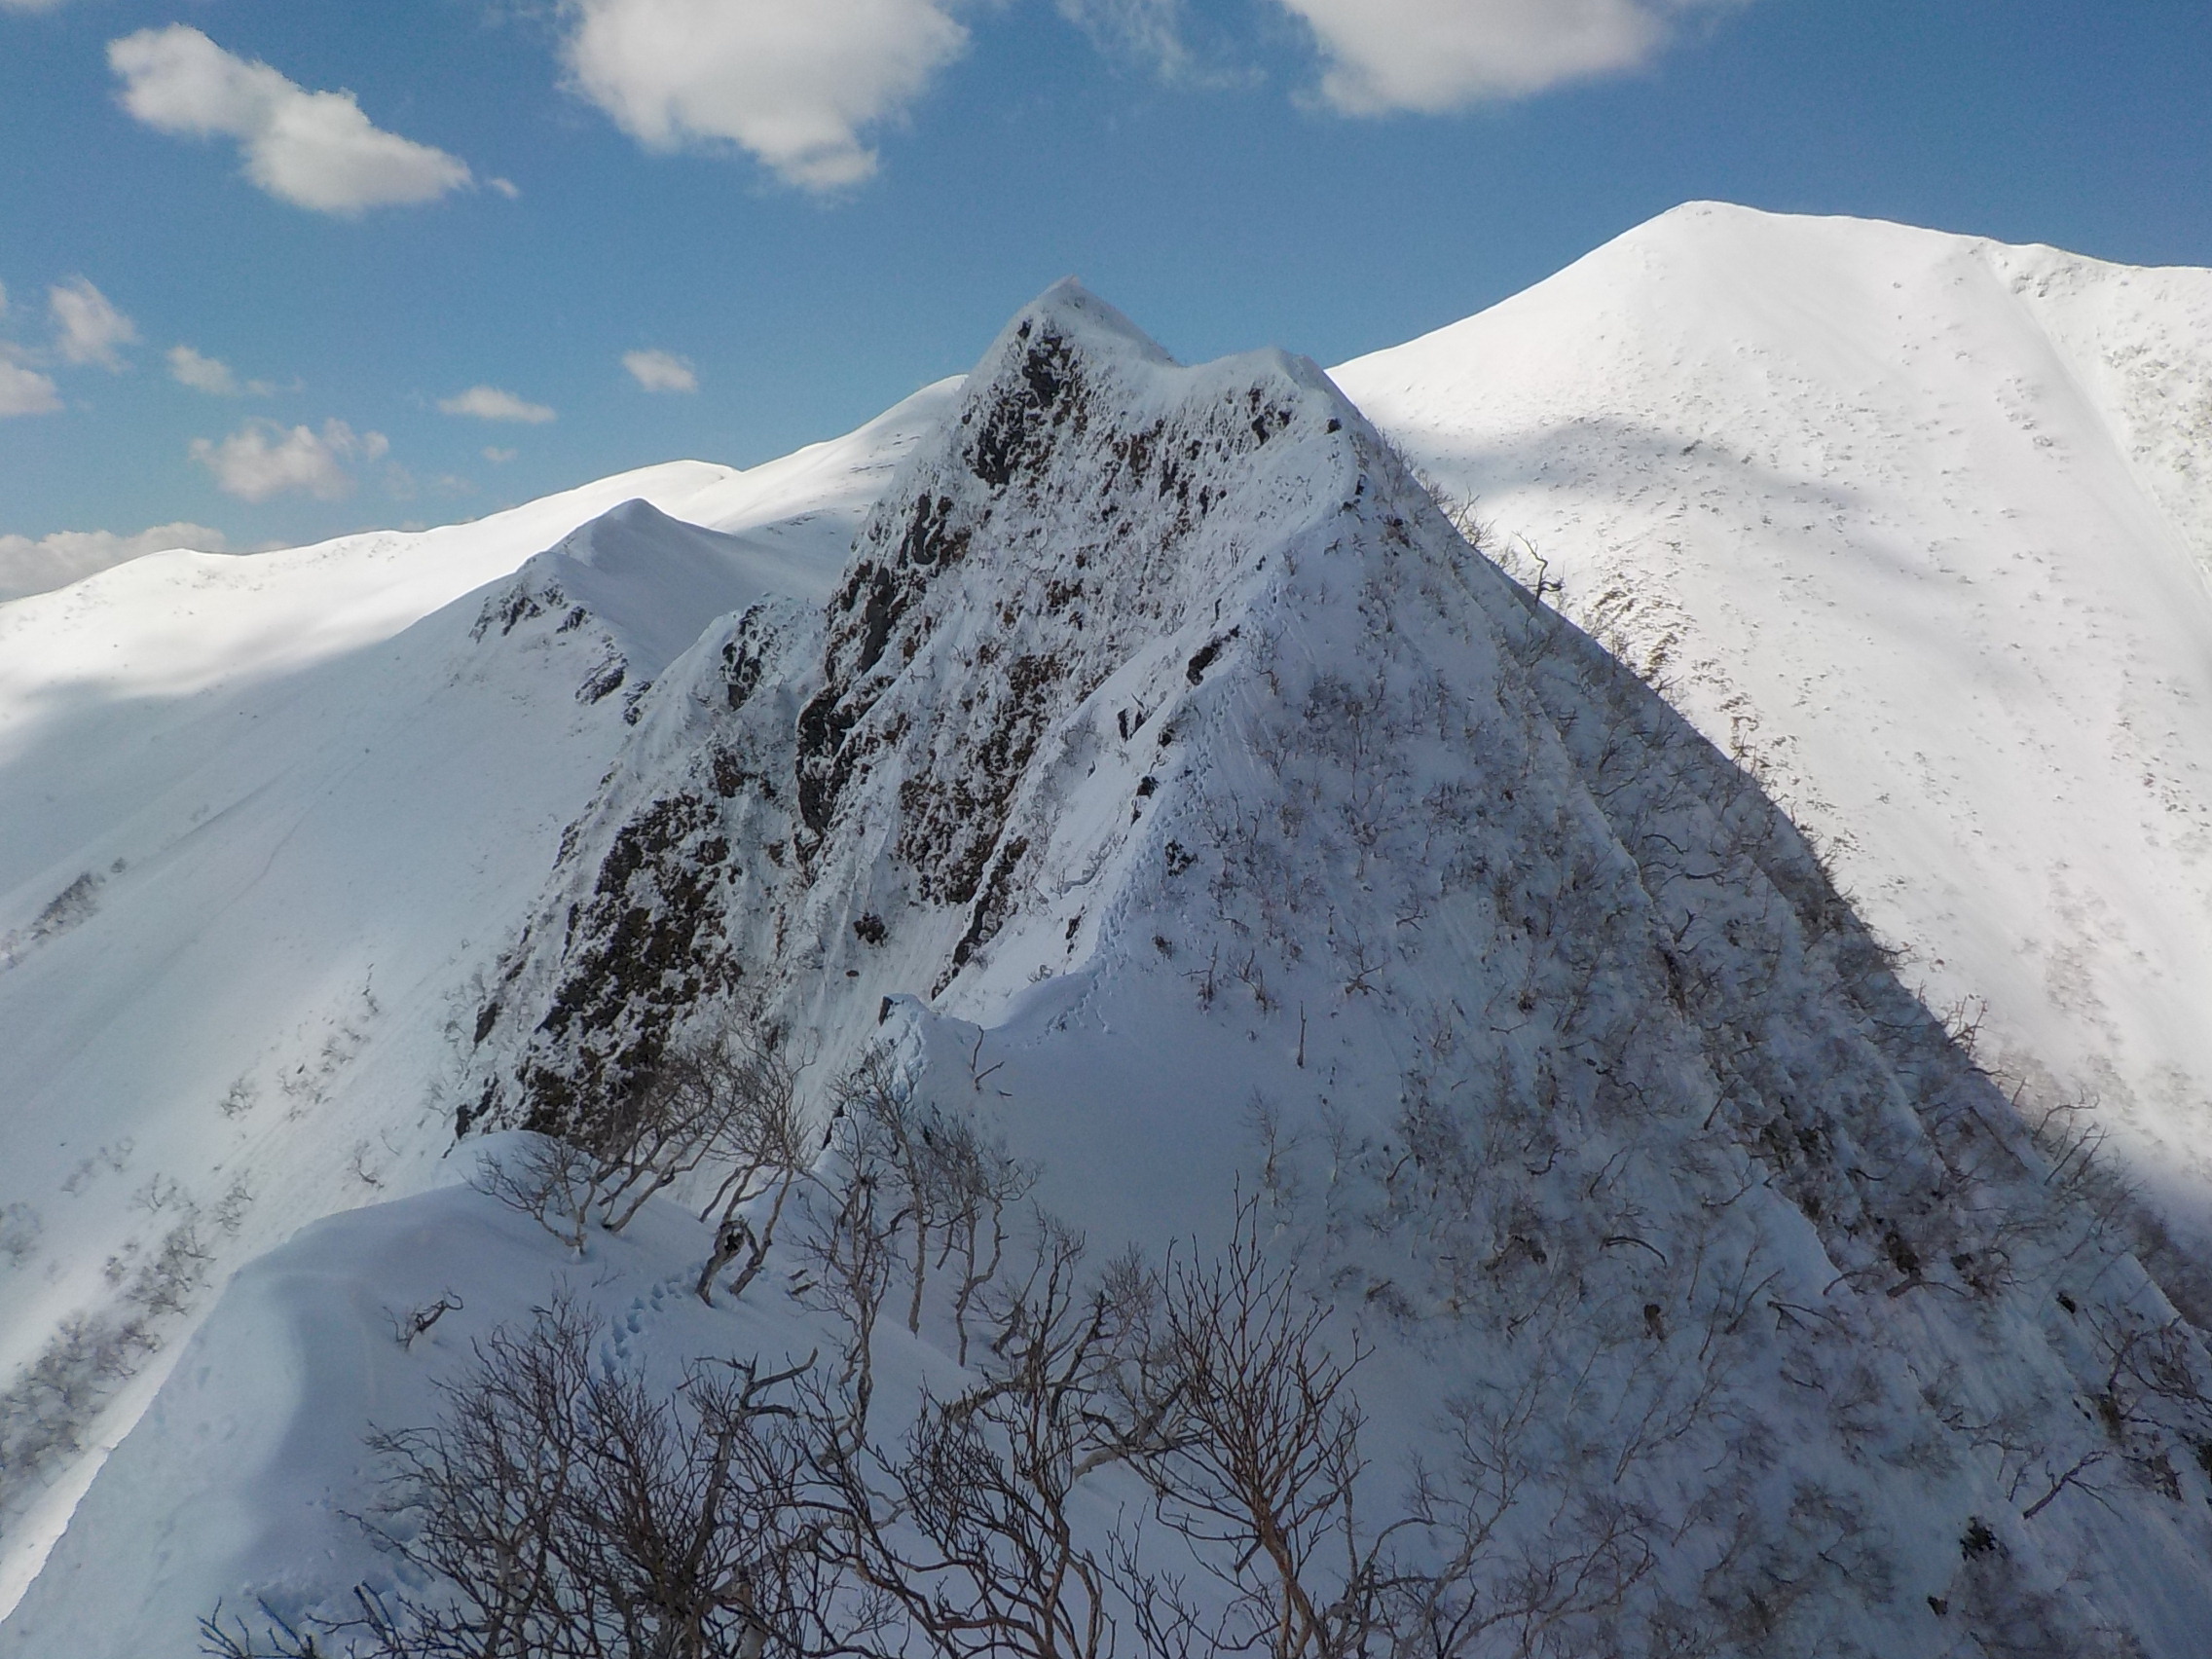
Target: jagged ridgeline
(1162, 728)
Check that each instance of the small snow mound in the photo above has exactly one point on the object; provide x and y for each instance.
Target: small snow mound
(653, 582)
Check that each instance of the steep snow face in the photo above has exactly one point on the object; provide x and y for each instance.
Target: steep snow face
(1921, 528)
(262, 822)
(1178, 796)
(865, 789)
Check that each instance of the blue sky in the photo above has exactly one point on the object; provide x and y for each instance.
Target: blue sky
(810, 209)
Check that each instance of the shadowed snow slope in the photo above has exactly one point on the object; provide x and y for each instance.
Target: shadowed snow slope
(261, 820)
(1923, 525)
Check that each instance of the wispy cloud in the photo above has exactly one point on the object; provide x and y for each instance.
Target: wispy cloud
(263, 459)
(490, 403)
(797, 86)
(87, 327)
(315, 150)
(1147, 31)
(661, 371)
(1434, 55)
(28, 567)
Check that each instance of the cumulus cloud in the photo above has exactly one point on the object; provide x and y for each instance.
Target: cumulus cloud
(28, 567)
(490, 403)
(314, 150)
(262, 459)
(87, 328)
(1433, 56)
(24, 392)
(499, 457)
(661, 371)
(211, 374)
(795, 85)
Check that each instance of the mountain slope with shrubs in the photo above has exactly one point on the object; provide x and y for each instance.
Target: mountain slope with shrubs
(1169, 1062)
(1303, 1109)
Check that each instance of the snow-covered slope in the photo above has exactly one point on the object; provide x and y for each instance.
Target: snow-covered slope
(1921, 526)
(1162, 789)
(261, 820)
(1175, 795)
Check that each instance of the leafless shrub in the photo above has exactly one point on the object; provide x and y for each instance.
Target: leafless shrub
(1242, 1422)
(948, 1187)
(968, 1525)
(46, 1411)
(19, 1231)
(725, 1097)
(848, 1259)
(548, 1180)
(766, 1142)
(409, 1323)
(560, 1510)
(167, 1283)
(728, 1098)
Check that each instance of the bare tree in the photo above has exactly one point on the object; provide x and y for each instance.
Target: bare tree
(848, 1261)
(968, 1526)
(727, 1098)
(549, 1180)
(947, 1187)
(562, 1511)
(767, 1144)
(1243, 1421)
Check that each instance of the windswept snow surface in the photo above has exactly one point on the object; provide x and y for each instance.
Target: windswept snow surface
(261, 820)
(1922, 524)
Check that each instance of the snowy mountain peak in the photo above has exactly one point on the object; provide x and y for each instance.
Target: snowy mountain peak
(1166, 795)
(1071, 311)
(1066, 557)
(649, 583)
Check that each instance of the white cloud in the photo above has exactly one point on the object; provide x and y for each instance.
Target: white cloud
(87, 328)
(314, 150)
(68, 556)
(506, 187)
(211, 374)
(490, 403)
(794, 83)
(661, 371)
(24, 392)
(499, 457)
(262, 459)
(1433, 56)
(1147, 31)
(31, 5)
